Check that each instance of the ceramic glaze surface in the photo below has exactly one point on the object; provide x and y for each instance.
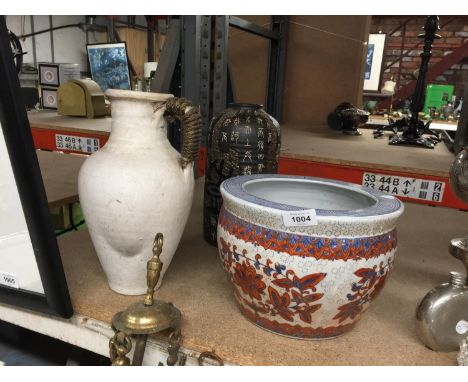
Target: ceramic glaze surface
(306, 282)
(309, 195)
(133, 188)
(242, 140)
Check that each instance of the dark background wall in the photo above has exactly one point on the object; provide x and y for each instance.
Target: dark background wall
(248, 56)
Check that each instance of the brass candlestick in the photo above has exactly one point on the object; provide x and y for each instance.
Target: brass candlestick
(147, 317)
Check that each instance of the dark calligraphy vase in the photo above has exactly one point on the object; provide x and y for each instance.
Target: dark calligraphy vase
(242, 140)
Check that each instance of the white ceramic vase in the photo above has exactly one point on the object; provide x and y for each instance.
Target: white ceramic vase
(136, 186)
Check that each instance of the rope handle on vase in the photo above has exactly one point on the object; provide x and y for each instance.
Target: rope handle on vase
(183, 110)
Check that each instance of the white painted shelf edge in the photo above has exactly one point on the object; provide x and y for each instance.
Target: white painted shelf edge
(86, 333)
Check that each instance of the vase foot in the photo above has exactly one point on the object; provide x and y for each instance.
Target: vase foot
(127, 291)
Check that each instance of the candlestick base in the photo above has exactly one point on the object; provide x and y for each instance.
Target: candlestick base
(412, 133)
(401, 140)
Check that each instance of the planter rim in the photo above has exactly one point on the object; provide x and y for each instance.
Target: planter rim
(234, 189)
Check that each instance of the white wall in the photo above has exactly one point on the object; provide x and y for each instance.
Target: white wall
(69, 43)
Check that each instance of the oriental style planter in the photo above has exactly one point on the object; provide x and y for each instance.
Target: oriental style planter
(305, 255)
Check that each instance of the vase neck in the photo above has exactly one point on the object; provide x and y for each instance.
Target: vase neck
(245, 106)
(138, 123)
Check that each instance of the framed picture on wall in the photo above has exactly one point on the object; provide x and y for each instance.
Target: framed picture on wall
(31, 271)
(109, 65)
(374, 59)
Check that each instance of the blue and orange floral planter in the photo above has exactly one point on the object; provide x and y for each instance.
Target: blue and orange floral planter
(311, 282)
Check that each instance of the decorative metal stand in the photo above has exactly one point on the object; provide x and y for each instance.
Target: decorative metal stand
(149, 317)
(412, 127)
(144, 318)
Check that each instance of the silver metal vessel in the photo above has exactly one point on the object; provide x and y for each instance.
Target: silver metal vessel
(442, 315)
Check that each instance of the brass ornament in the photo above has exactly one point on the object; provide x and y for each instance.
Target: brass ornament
(173, 350)
(143, 318)
(210, 355)
(150, 316)
(119, 346)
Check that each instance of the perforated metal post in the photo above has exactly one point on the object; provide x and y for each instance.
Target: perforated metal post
(205, 73)
(220, 64)
(277, 67)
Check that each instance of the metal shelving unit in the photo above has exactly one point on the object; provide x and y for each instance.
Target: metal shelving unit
(194, 63)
